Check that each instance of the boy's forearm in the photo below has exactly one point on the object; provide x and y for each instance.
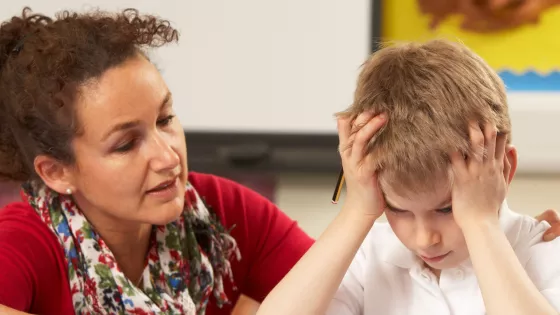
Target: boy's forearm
(506, 287)
(310, 286)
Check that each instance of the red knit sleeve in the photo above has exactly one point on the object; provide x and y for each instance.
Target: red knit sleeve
(32, 270)
(270, 242)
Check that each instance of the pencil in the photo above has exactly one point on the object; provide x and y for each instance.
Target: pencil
(338, 188)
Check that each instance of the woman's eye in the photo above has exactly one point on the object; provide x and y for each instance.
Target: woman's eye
(125, 147)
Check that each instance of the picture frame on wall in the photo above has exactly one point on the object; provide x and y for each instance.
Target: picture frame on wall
(517, 38)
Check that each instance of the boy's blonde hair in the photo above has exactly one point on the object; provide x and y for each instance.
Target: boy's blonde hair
(430, 91)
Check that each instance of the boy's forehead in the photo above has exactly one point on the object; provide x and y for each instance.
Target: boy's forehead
(435, 196)
(413, 189)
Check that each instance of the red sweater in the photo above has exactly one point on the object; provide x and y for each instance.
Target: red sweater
(33, 274)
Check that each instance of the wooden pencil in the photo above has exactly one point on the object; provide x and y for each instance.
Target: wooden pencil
(338, 188)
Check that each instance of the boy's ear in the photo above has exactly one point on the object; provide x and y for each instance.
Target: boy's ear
(510, 163)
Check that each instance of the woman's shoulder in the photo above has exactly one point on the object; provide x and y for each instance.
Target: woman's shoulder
(235, 203)
(22, 228)
(20, 224)
(33, 263)
(214, 185)
(21, 215)
(225, 196)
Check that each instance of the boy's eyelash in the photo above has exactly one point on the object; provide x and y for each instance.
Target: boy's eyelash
(396, 210)
(443, 211)
(165, 121)
(447, 210)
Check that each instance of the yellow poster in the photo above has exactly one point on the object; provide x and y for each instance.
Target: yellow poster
(527, 55)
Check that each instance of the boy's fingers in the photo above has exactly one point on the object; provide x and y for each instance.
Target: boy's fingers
(458, 163)
(552, 233)
(361, 121)
(550, 216)
(354, 126)
(501, 142)
(344, 128)
(364, 135)
(490, 135)
(477, 145)
(507, 168)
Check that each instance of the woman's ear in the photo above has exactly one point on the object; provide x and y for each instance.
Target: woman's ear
(510, 163)
(54, 174)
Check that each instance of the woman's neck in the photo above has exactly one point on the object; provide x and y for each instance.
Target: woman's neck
(129, 247)
(128, 241)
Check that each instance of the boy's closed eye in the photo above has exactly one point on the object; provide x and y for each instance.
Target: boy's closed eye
(396, 210)
(446, 210)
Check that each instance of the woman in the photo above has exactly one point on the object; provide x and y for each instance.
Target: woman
(112, 221)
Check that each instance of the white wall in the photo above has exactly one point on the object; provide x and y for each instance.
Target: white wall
(252, 65)
(277, 66)
(535, 118)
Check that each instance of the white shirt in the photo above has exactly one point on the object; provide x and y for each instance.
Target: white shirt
(385, 278)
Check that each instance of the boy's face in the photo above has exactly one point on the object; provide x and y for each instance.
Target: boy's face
(424, 224)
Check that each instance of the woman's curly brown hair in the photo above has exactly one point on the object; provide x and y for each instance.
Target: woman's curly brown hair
(45, 61)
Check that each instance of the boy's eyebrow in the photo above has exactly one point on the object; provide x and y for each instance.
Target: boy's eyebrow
(391, 206)
(394, 208)
(443, 205)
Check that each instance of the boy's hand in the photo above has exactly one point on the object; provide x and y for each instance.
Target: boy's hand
(363, 194)
(550, 216)
(479, 186)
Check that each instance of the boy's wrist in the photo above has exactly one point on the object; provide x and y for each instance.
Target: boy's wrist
(359, 215)
(474, 218)
(477, 227)
(361, 212)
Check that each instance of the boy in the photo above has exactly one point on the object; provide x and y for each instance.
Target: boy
(427, 142)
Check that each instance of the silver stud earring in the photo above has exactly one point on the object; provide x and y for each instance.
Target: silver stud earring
(68, 191)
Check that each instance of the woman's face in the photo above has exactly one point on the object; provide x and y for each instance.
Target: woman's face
(131, 156)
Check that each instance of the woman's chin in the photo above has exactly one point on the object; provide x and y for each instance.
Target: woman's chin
(167, 213)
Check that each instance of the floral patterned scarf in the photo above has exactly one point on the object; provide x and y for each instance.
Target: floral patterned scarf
(186, 262)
